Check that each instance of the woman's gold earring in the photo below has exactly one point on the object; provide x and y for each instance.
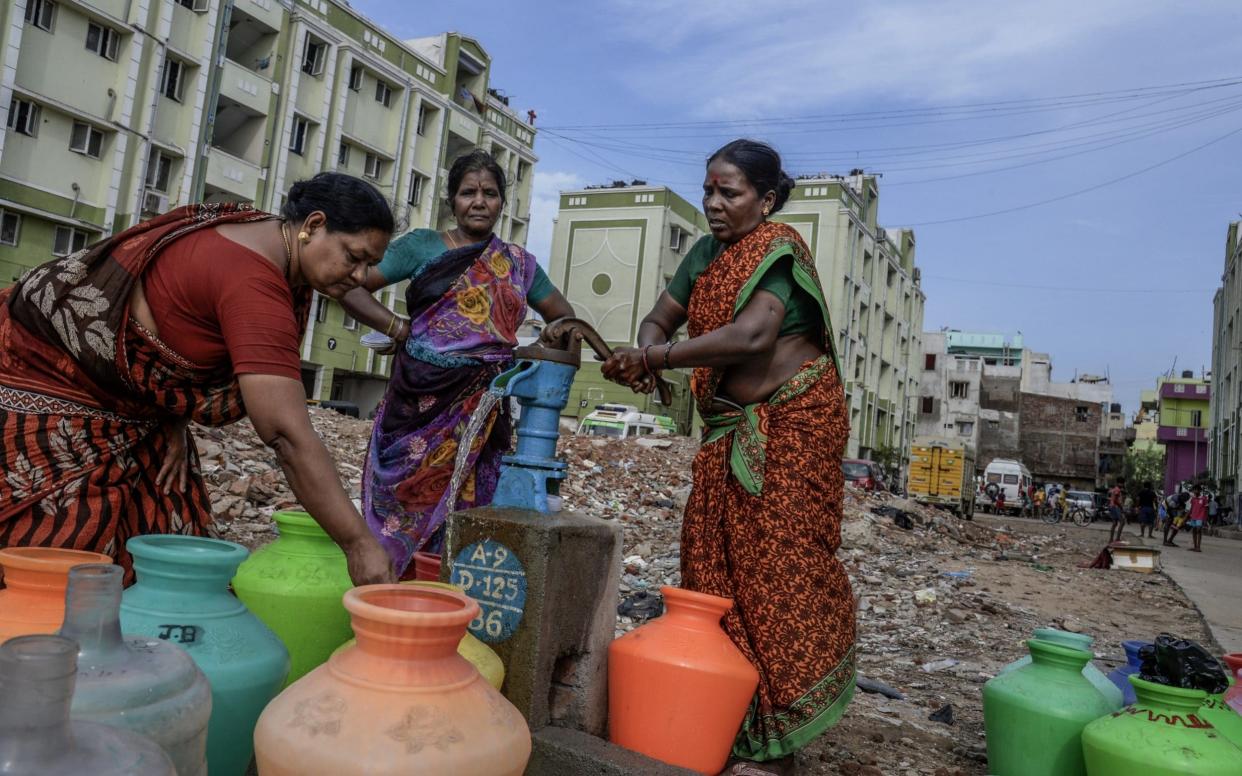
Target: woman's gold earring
(765, 212)
(305, 236)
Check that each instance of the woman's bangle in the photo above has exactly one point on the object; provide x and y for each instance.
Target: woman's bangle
(668, 349)
(394, 325)
(646, 364)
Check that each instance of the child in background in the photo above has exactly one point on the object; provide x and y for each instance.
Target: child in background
(1198, 516)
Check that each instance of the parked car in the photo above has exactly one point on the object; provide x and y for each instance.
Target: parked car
(863, 473)
(1085, 499)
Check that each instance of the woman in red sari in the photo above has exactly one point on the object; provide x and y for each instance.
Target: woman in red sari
(106, 355)
(763, 522)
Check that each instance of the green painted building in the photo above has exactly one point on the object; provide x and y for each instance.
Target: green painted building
(116, 110)
(614, 250)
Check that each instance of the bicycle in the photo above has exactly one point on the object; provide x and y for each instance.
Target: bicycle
(1052, 514)
(1084, 517)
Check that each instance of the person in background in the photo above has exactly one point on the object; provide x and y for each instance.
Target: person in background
(763, 522)
(1116, 509)
(108, 354)
(1198, 512)
(1175, 506)
(1147, 511)
(467, 295)
(1039, 498)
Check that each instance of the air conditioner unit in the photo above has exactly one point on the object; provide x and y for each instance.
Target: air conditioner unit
(880, 234)
(154, 202)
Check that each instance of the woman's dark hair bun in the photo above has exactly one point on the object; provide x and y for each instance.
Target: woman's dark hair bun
(783, 189)
(761, 165)
(349, 204)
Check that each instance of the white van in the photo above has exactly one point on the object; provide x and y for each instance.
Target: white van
(1010, 476)
(621, 421)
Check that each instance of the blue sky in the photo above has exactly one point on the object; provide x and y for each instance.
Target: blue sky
(965, 108)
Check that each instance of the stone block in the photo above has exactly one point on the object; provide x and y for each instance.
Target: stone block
(562, 752)
(547, 584)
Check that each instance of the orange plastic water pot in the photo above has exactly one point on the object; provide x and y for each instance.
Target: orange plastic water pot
(426, 567)
(35, 578)
(678, 688)
(399, 701)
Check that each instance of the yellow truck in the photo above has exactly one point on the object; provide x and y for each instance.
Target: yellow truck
(942, 474)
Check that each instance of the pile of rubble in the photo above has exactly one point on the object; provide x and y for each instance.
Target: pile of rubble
(942, 603)
(245, 482)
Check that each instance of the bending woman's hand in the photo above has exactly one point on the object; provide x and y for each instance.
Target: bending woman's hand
(174, 473)
(277, 408)
(368, 562)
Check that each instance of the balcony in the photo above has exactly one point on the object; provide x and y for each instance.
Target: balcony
(230, 179)
(246, 88)
(464, 127)
(1181, 434)
(1197, 392)
(266, 12)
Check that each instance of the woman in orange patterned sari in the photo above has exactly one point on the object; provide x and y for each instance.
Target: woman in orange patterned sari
(762, 525)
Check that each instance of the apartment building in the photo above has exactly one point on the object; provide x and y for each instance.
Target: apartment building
(876, 302)
(614, 250)
(949, 391)
(1184, 412)
(116, 110)
(1226, 401)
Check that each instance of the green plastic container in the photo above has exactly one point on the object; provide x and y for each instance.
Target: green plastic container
(182, 596)
(1034, 715)
(1226, 721)
(294, 585)
(1077, 641)
(1162, 734)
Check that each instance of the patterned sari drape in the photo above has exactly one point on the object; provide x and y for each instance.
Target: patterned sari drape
(85, 392)
(465, 307)
(763, 522)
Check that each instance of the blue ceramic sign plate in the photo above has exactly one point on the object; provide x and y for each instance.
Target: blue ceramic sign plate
(492, 575)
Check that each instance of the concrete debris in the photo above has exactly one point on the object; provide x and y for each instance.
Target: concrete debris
(962, 596)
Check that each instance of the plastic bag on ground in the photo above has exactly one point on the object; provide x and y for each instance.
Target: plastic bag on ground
(1181, 663)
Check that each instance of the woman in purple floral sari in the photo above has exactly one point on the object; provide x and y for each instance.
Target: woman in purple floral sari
(468, 294)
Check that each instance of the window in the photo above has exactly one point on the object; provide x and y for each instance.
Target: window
(959, 390)
(965, 428)
(321, 308)
(993, 424)
(102, 40)
(24, 117)
(159, 170)
(40, 13)
(1081, 414)
(421, 126)
(313, 56)
(416, 188)
(355, 77)
(174, 74)
(10, 227)
(68, 240)
(521, 171)
(194, 5)
(929, 361)
(383, 94)
(297, 138)
(372, 166)
(929, 405)
(85, 139)
(1196, 418)
(342, 155)
(350, 323)
(676, 238)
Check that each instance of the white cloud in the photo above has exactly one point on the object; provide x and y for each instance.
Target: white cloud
(740, 58)
(545, 201)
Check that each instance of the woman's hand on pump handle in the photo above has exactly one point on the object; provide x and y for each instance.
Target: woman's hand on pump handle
(628, 367)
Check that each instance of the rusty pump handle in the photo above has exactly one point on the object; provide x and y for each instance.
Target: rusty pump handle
(569, 333)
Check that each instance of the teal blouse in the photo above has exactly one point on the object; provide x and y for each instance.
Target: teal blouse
(801, 311)
(409, 252)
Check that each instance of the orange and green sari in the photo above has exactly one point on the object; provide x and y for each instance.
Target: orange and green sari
(763, 522)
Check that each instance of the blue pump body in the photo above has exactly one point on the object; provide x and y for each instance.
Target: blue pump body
(533, 471)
